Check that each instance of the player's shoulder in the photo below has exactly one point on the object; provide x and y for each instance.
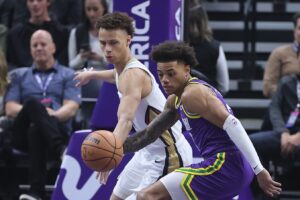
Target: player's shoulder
(193, 93)
(134, 74)
(171, 101)
(193, 89)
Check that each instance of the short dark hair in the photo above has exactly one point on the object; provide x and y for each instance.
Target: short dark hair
(116, 20)
(174, 50)
(295, 18)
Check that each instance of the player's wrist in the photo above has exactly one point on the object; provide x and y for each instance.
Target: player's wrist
(257, 169)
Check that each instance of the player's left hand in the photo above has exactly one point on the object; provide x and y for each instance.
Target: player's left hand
(267, 184)
(103, 176)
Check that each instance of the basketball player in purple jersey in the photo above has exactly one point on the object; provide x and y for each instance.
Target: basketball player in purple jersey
(223, 142)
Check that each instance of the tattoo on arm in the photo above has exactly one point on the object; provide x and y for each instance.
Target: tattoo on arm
(142, 138)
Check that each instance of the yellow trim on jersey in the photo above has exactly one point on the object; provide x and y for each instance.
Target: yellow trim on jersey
(204, 171)
(177, 103)
(190, 115)
(192, 78)
(186, 186)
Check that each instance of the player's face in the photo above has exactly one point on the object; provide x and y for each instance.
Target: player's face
(114, 44)
(173, 76)
(93, 10)
(42, 48)
(297, 31)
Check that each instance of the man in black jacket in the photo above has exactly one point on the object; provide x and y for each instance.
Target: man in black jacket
(283, 141)
(18, 38)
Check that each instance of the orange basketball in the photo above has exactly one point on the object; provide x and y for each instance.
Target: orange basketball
(101, 151)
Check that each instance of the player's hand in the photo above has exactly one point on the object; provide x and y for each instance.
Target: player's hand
(103, 176)
(267, 184)
(83, 77)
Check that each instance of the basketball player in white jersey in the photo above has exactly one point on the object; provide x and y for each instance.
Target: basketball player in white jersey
(141, 101)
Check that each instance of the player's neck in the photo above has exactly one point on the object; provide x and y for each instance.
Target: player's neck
(184, 85)
(121, 66)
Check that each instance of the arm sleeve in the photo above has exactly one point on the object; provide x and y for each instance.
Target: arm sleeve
(238, 135)
(222, 72)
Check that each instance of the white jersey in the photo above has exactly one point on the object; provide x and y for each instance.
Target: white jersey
(169, 152)
(149, 108)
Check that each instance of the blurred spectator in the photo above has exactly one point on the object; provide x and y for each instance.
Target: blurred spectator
(3, 79)
(209, 52)
(283, 60)
(7, 8)
(84, 46)
(3, 32)
(18, 38)
(283, 141)
(43, 100)
(67, 12)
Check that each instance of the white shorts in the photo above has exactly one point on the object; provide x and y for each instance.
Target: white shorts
(146, 168)
(172, 183)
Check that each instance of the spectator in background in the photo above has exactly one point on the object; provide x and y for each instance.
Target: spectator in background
(284, 60)
(3, 32)
(7, 10)
(66, 12)
(283, 141)
(43, 100)
(84, 46)
(3, 79)
(209, 52)
(18, 39)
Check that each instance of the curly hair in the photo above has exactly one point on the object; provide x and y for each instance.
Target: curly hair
(174, 50)
(116, 20)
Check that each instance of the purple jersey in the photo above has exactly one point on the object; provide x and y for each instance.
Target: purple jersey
(223, 162)
(209, 138)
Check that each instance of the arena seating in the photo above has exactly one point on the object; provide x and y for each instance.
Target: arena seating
(249, 30)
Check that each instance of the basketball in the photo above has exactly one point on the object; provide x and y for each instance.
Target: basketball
(101, 151)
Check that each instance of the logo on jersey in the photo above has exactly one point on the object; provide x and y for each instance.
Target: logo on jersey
(186, 123)
(184, 119)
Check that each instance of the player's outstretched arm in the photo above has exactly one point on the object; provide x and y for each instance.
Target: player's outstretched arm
(84, 76)
(145, 137)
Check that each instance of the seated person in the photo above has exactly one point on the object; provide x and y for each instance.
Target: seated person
(284, 60)
(209, 52)
(283, 141)
(3, 73)
(43, 100)
(18, 37)
(84, 46)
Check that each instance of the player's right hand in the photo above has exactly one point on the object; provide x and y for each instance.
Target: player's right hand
(103, 176)
(83, 77)
(267, 184)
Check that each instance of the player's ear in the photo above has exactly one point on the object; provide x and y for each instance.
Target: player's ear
(128, 40)
(187, 69)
